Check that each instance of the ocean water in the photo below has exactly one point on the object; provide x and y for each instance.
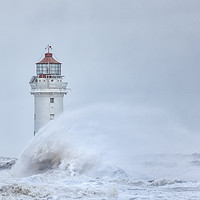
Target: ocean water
(75, 158)
(154, 181)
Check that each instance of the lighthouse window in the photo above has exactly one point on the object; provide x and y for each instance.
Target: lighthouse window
(55, 69)
(51, 100)
(42, 68)
(51, 116)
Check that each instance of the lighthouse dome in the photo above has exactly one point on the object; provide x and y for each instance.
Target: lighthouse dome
(48, 65)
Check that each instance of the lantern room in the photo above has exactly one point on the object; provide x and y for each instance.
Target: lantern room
(48, 66)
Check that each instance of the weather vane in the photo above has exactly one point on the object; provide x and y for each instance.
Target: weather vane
(48, 47)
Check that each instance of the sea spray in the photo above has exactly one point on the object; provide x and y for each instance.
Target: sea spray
(77, 141)
(60, 146)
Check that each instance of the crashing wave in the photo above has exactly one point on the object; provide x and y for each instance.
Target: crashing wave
(57, 147)
(50, 154)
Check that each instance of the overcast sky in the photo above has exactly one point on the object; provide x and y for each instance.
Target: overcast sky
(139, 56)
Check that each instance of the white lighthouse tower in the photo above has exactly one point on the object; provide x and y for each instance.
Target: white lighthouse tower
(48, 89)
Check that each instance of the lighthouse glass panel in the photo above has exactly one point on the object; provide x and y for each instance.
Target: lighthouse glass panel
(42, 69)
(55, 69)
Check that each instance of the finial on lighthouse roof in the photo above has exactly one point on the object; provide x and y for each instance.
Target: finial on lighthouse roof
(48, 47)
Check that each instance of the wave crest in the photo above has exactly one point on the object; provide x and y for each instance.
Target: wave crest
(54, 148)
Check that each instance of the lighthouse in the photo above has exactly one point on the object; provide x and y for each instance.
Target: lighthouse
(48, 89)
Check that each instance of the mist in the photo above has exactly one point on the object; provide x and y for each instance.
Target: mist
(88, 140)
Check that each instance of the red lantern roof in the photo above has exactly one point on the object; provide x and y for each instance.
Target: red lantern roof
(48, 59)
